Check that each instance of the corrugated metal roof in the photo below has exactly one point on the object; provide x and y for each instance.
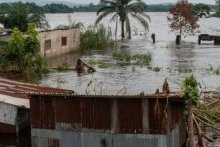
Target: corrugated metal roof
(174, 96)
(15, 93)
(14, 101)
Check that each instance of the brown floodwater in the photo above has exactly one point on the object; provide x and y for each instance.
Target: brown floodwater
(175, 62)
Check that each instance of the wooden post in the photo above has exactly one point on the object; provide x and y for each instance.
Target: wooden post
(199, 40)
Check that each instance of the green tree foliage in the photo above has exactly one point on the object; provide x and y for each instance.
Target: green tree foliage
(121, 9)
(201, 8)
(62, 8)
(19, 15)
(190, 89)
(96, 38)
(89, 8)
(57, 8)
(21, 54)
(218, 3)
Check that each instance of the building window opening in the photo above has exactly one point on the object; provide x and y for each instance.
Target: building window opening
(47, 44)
(64, 41)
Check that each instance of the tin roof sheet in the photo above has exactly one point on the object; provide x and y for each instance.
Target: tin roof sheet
(15, 93)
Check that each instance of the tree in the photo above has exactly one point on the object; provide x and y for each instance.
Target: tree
(218, 3)
(21, 53)
(182, 19)
(19, 16)
(191, 96)
(121, 9)
(201, 8)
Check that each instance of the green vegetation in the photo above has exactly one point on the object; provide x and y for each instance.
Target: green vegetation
(101, 64)
(139, 59)
(19, 16)
(120, 10)
(184, 69)
(64, 8)
(213, 70)
(104, 65)
(96, 38)
(21, 53)
(217, 14)
(63, 67)
(201, 9)
(57, 8)
(156, 69)
(218, 3)
(190, 89)
(217, 71)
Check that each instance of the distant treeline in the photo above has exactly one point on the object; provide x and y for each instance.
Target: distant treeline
(61, 8)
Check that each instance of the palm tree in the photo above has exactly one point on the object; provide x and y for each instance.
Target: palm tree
(218, 2)
(122, 9)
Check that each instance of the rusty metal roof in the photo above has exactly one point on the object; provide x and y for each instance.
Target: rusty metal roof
(24, 90)
(15, 93)
(174, 96)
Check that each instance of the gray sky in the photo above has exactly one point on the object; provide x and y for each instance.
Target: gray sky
(96, 1)
(147, 1)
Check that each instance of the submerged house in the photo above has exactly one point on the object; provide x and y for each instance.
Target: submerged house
(70, 120)
(54, 42)
(59, 41)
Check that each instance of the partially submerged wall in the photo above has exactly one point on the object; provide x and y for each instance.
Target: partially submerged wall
(57, 42)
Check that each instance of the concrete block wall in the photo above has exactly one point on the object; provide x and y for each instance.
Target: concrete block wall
(55, 36)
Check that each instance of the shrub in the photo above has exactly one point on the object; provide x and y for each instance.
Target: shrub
(96, 38)
(63, 67)
(21, 53)
(138, 59)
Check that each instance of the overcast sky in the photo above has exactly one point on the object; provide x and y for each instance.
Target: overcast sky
(96, 1)
(151, 1)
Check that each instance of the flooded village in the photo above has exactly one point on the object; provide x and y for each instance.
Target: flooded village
(112, 73)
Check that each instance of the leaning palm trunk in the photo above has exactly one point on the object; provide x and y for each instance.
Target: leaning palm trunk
(190, 127)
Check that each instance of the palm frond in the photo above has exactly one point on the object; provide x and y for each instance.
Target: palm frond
(107, 2)
(140, 18)
(114, 17)
(102, 15)
(104, 8)
(136, 7)
(145, 16)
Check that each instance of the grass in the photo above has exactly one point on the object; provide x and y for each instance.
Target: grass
(101, 64)
(217, 71)
(184, 69)
(156, 69)
(96, 38)
(138, 59)
(63, 67)
(104, 65)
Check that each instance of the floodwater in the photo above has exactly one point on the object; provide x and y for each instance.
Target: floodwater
(174, 61)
